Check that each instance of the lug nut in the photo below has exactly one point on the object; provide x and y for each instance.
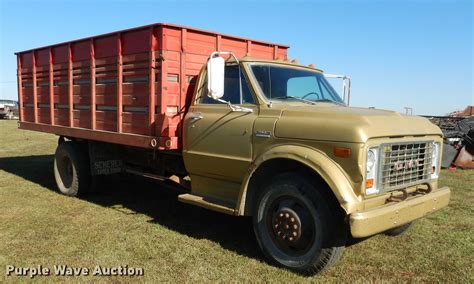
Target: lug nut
(287, 215)
(292, 219)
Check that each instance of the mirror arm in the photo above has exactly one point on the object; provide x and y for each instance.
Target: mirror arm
(231, 106)
(346, 89)
(217, 53)
(240, 85)
(349, 90)
(235, 107)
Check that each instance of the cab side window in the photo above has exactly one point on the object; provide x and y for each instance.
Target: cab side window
(231, 88)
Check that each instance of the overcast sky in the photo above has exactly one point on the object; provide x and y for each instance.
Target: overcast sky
(399, 53)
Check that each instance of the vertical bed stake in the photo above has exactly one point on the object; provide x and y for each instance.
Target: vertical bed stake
(70, 87)
(20, 87)
(35, 90)
(218, 43)
(119, 82)
(163, 83)
(249, 48)
(151, 91)
(182, 74)
(51, 86)
(92, 71)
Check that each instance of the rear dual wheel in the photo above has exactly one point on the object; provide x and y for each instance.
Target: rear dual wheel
(71, 169)
(294, 225)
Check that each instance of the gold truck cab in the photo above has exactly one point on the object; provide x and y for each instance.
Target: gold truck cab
(273, 140)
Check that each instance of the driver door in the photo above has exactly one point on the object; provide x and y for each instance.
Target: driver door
(217, 140)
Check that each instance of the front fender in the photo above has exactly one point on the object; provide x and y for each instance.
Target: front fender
(317, 160)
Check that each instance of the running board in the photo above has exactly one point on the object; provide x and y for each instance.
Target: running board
(147, 175)
(179, 181)
(208, 203)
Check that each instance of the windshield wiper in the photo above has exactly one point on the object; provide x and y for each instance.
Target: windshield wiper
(296, 98)
(330, 101)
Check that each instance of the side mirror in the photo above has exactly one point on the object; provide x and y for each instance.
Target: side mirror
(215, 77)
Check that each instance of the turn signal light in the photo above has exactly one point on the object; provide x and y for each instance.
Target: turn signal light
(369, 183)
(342, 152)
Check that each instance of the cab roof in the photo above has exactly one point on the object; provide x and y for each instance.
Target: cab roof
(276, 61)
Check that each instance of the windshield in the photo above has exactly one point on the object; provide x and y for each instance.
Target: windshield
(280, 82)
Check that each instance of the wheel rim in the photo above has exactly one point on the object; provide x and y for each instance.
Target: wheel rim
(65, 170)
(291, 225)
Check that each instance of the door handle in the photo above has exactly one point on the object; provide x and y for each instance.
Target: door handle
(196, 116)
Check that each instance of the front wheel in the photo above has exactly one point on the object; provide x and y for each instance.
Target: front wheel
(293, 226)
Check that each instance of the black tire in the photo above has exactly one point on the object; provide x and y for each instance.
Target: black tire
(398, 230)
(71, 169)
(318, 239)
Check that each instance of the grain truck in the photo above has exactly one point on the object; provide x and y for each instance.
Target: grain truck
(250, 132)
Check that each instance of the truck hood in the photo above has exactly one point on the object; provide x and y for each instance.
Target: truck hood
(348, 124)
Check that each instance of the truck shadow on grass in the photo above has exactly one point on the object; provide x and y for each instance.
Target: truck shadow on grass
(137, 195)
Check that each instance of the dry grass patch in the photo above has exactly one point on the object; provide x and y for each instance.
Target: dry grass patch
(138, 223)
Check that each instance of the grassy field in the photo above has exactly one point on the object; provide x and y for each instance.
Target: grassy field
(139, 223)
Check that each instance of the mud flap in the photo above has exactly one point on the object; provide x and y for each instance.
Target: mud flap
(104, 159)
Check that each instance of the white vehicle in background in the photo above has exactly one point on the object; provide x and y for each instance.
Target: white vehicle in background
(8, 109)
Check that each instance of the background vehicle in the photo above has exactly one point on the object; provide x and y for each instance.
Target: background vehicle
(253, 134)
(8, 109)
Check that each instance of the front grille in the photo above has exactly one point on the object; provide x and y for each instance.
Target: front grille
(405, 164)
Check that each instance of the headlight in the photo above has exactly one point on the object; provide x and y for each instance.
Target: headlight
(435, 156)
(371, 171)
(370, 160)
